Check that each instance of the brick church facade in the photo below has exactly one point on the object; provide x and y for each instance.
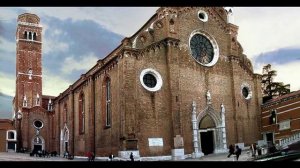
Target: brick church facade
(180, 85)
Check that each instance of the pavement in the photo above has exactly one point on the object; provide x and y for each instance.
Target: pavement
(11, 156)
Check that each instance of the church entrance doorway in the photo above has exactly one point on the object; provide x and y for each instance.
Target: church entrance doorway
(207, 134)
(207, 142)
(38, 143)
(37, 147)
(66, 146)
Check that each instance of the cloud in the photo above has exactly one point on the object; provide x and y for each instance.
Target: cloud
(54, 84)
(6, 106)
(7, 46)
(85, 62)
(267, 29)
(7, 84)
(50, 46)
(114, 19)
(280, 56)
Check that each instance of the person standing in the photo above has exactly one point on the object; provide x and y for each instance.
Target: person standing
(253, 149)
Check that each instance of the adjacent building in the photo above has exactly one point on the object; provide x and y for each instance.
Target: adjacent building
(281, 117)
(8, 136)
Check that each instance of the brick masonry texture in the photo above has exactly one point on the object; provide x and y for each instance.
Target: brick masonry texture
(136, 113)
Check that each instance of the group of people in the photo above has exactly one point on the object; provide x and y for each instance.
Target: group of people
(237, 151)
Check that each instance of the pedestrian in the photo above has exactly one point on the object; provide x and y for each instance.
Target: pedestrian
(253, 149)
(110, 157)
(89, 155)
(131, 157)
(92, 156)
(66, 153)
(237, 152)
(231, 150)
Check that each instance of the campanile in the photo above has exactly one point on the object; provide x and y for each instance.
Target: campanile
(28, 61)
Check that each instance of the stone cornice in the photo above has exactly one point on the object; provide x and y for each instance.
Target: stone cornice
(285, 98)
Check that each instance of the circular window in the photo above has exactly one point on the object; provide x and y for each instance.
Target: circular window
(202, 15)
(151, 80)
(204, 48)
(246, 91)
(38, 124)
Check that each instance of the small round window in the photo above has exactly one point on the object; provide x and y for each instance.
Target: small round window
(202, 15)
(246, 91)
(151, 80)
(38, 124)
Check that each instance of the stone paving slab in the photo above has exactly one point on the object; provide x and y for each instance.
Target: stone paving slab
(10, 156)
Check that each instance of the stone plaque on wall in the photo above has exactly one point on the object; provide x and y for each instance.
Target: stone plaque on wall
(178, 142)
(155, 142)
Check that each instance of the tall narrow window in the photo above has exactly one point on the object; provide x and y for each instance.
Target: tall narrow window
(273, 117)
(30, 36)
(34, 36)
(49, 105)
(37, 99)
(65, 113)
(108, 103)
(81, 114)
(53, 126)
(25, 101)
(25, 35)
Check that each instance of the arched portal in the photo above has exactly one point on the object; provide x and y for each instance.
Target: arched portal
(38, 143)
(64, 139)
(209, 131)
(207, 134)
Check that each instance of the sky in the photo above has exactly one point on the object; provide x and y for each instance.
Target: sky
(74, 38)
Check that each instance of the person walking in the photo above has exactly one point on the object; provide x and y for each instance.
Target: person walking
(89, 156)
(131, 157)
(231, 150)
(237, 152)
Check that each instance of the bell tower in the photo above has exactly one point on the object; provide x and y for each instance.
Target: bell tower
(28, 61)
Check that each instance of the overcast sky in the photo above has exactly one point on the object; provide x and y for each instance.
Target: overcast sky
(75, 38)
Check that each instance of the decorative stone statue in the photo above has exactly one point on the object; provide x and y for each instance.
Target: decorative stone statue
(37, 132)
(208, 97)
(222, 108)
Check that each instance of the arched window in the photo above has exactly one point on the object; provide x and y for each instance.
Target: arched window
(65, 112)
(81, 113)
(11, 135)
(107, 103)
(34, 36)
(25, 35)
(30, 36)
